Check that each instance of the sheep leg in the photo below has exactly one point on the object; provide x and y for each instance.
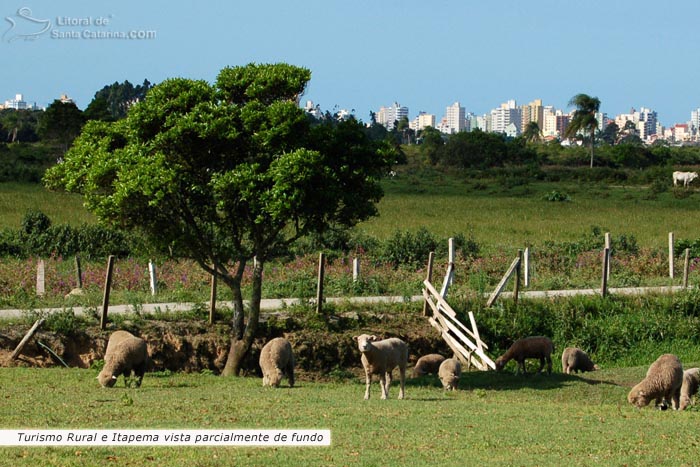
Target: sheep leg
(402, 376)
(676, 399)
(549, 365)
(521, 367)
(139, 371)
(290, 373)
(541, 365)
(369, 380)
(383, 384)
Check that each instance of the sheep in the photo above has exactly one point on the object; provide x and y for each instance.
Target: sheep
(427, 364)
(449, 373)
(276, 361)
(528, 347)
(574, 359)
(691, 381)
(662, 383)
(125, 354)
(380, 357)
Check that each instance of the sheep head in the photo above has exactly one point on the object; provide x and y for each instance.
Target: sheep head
(364, 342)
(106, 379)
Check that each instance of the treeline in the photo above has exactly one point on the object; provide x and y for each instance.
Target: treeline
(481, 150)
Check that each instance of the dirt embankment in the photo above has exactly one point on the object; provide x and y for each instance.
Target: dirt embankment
(321, 346)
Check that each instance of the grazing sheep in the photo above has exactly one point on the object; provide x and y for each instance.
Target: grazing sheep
(276, 361)
(427, 364)
(691, 381)
(574, 359)
(125, 353)
(449, 373)
(662, 383)
(528, 347)
(380, 357)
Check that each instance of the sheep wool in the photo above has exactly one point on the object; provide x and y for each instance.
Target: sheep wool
(691, 382)
(277, 361)
(427, 365)
(125, 354)
(539, 347)
(662, 384)
(380, 357)
(574, 359)
(449, 373)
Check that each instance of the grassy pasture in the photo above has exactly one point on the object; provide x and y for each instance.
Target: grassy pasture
(18, 198)
(494, 419)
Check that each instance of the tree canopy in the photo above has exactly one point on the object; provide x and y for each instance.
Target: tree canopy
(225, 173)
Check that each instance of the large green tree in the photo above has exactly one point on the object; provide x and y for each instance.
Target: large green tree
(584, 118)
(61, 123)
(227, 174)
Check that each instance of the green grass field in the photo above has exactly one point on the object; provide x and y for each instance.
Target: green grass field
(494, 419)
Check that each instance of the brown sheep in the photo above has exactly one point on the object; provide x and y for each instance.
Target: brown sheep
(528, 347)
(449, 373)
(125, 354)
(574, 359)
(691, 381)
(276, 361)
(427, 365)
(380, 357)
(661, 384)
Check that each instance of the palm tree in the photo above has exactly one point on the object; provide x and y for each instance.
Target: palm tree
(532, 133)
(583, 118)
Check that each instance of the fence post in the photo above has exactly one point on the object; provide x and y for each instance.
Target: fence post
(355, 269)
(686, 268)
(608, 245)
(526, 267)
(78, 272)
(516, 286)
(108, 286)
(606, 261)
(212, 299)
(319, 285)
(429, 278)
(41, 278)
(670, 255)
(152, 275)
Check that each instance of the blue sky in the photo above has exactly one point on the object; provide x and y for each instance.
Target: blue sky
(365, 54)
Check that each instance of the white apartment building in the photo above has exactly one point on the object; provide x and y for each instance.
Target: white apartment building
(388, 116)
(18, 103)
(454, 119)
(504, 115)
(422, 121)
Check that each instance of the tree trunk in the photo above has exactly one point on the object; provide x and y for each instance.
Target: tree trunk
(241, 344)
(592, 136)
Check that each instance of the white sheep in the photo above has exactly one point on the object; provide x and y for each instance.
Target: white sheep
(574, 359)
(661, 384)
(380, 357)
(449, 373)
(125, 354)
(276, 361)
(528, 347)
(691, 382)
(427, 365)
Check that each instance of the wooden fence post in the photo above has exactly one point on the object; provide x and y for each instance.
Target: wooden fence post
(152, 276)
(429, 278)
(41, 278)
(212, 299)
(686, 268)
(516, 286)
(319, 285)
(608, 245)
(526, 267)
(670, 255)
(26, 338)
(108, 287)
(355, 269)
(78, 273)
(606, 261)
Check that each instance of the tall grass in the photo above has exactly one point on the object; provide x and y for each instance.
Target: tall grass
(494, 419)
(62, 208)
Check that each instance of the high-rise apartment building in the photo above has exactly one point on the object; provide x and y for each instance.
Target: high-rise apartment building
(504, 115)
(454, 119)
(422, 121)
(389, 116)
(532, 112)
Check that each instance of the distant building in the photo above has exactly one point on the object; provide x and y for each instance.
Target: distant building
(65, 99)
(389, 116)
(422, 121)
(532, 112)
(504, 115)
(313, 110)
(18, 103)
(454, 120)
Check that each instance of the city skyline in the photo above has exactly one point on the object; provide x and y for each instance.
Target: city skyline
(367, 54)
